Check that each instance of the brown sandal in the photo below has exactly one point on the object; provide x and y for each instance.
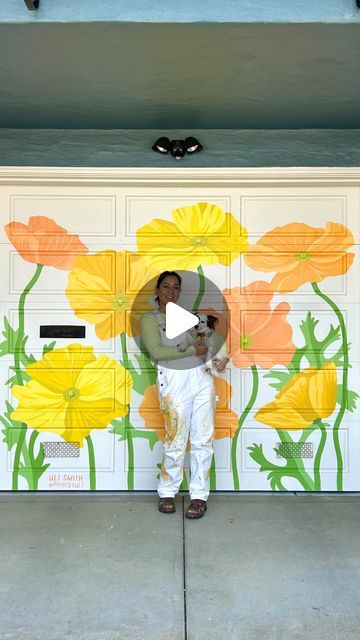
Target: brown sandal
(196, 509)
(167, 505)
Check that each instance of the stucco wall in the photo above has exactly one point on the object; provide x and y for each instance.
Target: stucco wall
(222, 148)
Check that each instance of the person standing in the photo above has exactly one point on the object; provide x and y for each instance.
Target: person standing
(187, 401)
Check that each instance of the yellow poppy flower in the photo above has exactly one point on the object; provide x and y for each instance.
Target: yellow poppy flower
(102, 289)
(71, 392)
(309, 395)
(199, 234)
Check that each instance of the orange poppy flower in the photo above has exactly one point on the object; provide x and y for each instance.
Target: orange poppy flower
(258, 335)
(226, 421)
(42, 241)
(300, 253)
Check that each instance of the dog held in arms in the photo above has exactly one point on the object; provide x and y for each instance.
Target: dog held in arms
(205, 330)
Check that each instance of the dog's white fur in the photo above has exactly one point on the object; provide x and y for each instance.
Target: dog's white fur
(210, 338)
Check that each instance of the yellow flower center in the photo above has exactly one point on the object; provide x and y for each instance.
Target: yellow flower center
(245, 341)
(121, 301)
(197, 241)
(72, 393)
(303, 255)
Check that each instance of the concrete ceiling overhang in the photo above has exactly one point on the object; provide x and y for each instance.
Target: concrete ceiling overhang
(112, 74)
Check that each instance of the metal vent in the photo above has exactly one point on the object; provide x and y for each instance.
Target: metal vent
(294, 450)
(62, 331)
(61, 449)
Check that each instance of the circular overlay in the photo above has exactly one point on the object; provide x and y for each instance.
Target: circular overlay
(198, 295)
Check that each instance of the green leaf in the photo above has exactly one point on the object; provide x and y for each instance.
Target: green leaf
(282, 378)
(9, 411)
(12, 428)
(32, 474)
(11, 434)
(146, 378)
(257, 454)
(7, 333)
(120, 429)
(147, 375)
(351, 398)
(276, 472)
(313, 350)
(48, 347)
(14, 338)
(13, 380)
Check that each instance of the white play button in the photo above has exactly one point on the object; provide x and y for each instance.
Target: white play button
(178, 320)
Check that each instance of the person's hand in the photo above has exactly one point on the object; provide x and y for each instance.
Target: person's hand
(200, 348)
(221, 364)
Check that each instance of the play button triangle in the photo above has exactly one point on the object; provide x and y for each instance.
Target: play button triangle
(178, 320)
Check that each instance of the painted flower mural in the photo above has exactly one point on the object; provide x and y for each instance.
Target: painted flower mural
(70, 391)
(199, 234)
(44, 242)
(103, 287)
(258, 335)
(308, 396)
(299, 253)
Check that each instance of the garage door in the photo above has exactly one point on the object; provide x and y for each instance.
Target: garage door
(79, 407)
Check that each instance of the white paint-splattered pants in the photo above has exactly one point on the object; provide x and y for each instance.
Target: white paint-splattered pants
(187, 399)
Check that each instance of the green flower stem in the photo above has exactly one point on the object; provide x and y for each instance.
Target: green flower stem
(201, 288)
(213, 474)
(35, 476)
(18, 451)
(280, 485)
(241, 422)
(196, 307)
(129, 439)
(19, 377)
(21, 315)
(299, 472)
(317, 461)
(340, 415)
(307, 433)
(92, 468)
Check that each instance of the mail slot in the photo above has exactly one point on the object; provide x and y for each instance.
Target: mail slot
(62, 331)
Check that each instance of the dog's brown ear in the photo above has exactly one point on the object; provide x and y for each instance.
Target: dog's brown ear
(211, 321)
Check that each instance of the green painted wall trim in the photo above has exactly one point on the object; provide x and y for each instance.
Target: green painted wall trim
(222, 148)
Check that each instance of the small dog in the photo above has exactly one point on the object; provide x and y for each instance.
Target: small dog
(205, 329)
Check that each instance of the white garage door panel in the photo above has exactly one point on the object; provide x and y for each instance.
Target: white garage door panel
(310, 205)
(92, 212)
(127, 453)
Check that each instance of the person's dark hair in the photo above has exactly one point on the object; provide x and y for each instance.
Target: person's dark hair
(162, 277)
